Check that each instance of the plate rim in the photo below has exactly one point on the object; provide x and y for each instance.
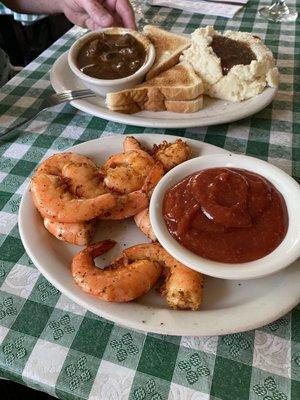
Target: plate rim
(131, 119)
(287, 302)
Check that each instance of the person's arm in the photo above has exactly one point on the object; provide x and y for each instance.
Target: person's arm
(92, 14)
(33, 6)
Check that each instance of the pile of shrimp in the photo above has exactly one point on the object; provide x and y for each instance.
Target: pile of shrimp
(72, 194)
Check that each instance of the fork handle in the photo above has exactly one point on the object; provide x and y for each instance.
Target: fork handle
(11, 128)
(74, 96)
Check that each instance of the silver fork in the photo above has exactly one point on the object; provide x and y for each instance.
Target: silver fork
(51, 101)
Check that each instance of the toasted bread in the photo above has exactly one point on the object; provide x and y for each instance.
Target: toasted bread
(168, 48)
(177, 83)
(176, 106)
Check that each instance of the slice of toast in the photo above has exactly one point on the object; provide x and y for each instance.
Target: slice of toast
(168, 48)
(177, 83)
(176, 106)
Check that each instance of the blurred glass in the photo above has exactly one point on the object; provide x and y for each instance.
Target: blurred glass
(278, 11)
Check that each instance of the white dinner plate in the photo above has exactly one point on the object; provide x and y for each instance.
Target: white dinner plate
(229, 306)
(214, 111)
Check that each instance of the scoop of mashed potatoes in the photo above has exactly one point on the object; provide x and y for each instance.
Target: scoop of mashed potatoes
(242, 81)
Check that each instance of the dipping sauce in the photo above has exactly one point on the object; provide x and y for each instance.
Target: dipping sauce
(226, 215)
(111, 56)
(231, 52)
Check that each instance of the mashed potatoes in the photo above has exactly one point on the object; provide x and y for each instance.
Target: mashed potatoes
(241, 81)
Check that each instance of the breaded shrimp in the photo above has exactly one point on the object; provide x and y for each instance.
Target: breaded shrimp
(142, 220)
(131, 143)
(171, 154)
(124, 280)
(168, 155)
(53, 198)
(182, 286)
(79, 233)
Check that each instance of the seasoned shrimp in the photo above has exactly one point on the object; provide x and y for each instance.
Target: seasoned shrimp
(124, 280)
(182, 286)
(79, 233)
(54, 164)
(126, 172)
(127, 205)
(142, 220)
(171, 154)
(85, 179)
(85, 182)
(53, 199)
(132, 203)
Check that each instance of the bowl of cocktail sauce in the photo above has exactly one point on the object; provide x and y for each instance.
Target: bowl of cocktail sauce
(228, 216)
(111, 59)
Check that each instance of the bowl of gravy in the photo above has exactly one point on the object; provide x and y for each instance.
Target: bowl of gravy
(228, 216)
(109, 60)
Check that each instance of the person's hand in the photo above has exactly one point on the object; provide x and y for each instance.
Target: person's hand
(93, 14)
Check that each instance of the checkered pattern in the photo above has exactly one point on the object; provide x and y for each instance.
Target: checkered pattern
(25, 19)
(50, 343)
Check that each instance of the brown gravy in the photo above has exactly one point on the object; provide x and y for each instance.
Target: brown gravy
(111, 56)
(231, 52)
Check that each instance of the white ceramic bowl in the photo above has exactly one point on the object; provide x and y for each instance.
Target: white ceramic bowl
(288, 250)
(104, 86)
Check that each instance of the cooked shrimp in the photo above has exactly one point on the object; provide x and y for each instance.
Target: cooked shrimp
(168, 155)
(131, 143)
(152, 179)
(79, 233)
(85, 179)
(52, 197)
(182, 286)
(126, 172)
(127, 205)
(132, 203)
(171, 154)
(124, 280)
(85, 182)
(142, 220)
(54, 164)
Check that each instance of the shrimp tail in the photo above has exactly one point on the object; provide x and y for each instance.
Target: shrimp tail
(131, 143)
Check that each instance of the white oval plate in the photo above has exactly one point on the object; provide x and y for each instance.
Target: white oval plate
(214, 111)
(229, 306)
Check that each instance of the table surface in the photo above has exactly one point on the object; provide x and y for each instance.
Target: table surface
(50, 343)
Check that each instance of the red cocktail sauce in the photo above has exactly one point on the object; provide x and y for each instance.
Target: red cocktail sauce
(227, 215)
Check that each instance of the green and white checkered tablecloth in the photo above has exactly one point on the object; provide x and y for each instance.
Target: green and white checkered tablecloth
(50, 343)
(25, 19)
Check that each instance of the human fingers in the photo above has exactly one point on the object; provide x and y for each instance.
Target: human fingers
(118, 20)
(98, 13)
(90, 24)
(125, 10)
